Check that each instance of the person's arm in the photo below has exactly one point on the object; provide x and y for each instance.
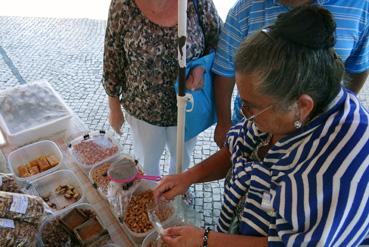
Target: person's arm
(193, 236)
(116, 117)
(210, 22)
(223, 68)
(113, 66)
(223, 89)
(213, 168)
(355, 82)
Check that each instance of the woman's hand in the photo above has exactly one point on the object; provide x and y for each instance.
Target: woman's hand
(116, 117)
(183, 236)
(172, 186)
(195, 80)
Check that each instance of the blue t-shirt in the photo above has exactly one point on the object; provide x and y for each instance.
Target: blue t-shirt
(249, 16)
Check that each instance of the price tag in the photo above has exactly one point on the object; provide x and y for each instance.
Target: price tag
(6, 223)
(19, 204)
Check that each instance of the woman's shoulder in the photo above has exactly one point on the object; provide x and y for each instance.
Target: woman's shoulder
(120, 6)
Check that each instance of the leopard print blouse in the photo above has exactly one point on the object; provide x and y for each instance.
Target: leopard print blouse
(140, 58)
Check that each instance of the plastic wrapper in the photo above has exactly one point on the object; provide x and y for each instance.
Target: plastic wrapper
(27, 106)
(8, 183)
(23, 234)
(119, 194)
(21, 207)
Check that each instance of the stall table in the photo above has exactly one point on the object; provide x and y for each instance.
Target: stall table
(78, 128)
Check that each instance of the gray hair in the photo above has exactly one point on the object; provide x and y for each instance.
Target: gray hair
(289, 68)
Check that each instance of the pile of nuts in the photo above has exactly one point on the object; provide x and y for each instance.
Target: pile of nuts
(89, 152)
(54, 234)
(100, 176)
(68, 191)
(136, 217)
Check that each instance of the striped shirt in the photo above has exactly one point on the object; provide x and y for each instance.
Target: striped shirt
(311, 188)
(249, 16)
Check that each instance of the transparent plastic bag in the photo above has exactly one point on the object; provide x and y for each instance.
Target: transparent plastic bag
(119, 194)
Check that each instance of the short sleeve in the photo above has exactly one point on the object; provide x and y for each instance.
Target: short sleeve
(358, 61)
(114, 55)
(229, 41)
(211, 24)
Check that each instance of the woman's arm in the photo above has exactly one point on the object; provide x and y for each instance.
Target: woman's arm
(211, 23)
(114, 55)
(193, 236)
(213, 168)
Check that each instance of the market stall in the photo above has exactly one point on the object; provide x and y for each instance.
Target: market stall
(62, 173)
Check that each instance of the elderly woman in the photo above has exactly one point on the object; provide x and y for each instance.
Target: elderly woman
(300, 159)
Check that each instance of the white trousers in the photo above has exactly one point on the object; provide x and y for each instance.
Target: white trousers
(149, 142)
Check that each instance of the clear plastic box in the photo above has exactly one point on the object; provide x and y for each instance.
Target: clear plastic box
(62, 214)
(45, 187)
(24, 155)
(139, 237)
(93, 149)
(32, 111)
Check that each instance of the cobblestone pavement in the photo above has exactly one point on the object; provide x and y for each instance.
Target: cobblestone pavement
(68, 53)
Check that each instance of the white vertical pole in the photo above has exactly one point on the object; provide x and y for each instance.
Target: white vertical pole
(181, 99)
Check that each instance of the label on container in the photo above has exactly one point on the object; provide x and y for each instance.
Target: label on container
(19, 204)
(6, 223)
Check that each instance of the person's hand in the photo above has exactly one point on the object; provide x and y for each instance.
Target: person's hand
(220, 133)
(183, 236)
(172, 186)
(116, 120)
(195, 80)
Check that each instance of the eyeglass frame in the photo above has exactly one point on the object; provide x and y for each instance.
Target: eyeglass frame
(252, 117)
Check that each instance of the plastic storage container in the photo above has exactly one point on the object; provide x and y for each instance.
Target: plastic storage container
(139, 237)
(74, 222)
(93, 149)
(46, 187)
(24, 155)
(32, 111)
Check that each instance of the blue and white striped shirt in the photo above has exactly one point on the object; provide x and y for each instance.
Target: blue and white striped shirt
(312, 187)
(249, 16)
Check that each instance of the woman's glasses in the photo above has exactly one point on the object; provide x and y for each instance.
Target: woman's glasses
(245, 109)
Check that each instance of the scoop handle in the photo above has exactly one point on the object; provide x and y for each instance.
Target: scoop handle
(152, 178)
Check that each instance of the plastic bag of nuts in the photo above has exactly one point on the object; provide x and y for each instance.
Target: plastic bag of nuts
(19, 234)
(8, 183)
(136, 217)
(21, 207)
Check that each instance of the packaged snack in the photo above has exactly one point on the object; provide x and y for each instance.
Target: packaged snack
(21, 207)
(8, 183)
(17, 233)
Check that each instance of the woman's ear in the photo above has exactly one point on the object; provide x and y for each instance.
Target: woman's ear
(305, 105)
